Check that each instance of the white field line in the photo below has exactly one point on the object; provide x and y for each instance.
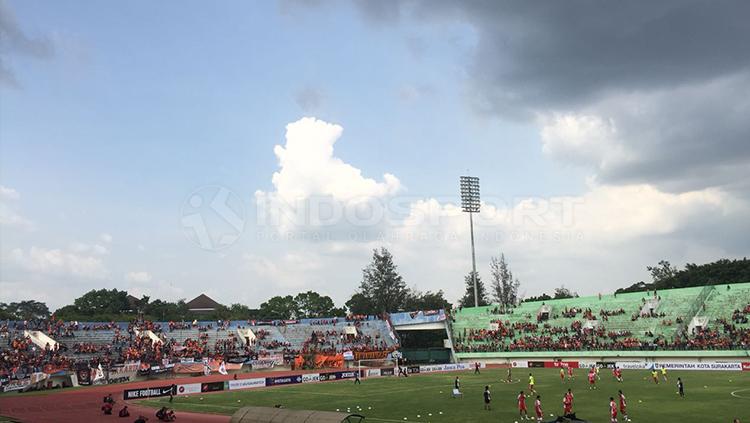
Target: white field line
(734, 393)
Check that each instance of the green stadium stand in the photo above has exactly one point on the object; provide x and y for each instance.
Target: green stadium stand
(674, 310)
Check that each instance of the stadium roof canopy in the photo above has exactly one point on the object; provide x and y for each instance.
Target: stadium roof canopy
(284, 415)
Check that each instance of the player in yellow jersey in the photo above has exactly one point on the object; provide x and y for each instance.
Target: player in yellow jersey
(531, 384)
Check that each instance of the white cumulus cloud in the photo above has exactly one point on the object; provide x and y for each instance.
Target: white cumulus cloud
(308, 167)
(311, 178)
(58, 262)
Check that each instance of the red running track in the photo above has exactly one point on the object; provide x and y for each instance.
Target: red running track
(84, 405)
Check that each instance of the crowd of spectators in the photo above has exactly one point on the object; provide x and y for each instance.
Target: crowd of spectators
(541, 336)
(20, 357)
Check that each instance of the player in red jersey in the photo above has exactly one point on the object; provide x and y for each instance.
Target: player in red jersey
(612, 410)
(569, 397)
(592, 380)
(570, 373)
(538, 408)
(623, 406)
(522, 406)
(618, 374)
(568, 403)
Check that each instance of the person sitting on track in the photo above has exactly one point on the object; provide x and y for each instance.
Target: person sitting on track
(107, 408)
(124, 412)
(165, 415)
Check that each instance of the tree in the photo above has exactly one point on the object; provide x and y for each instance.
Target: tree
(563, 292)
(426, 300)
(468, 299)
(310, 304)
(242, 312)
(664, 270)
(543, 297)
(24, 310)
(159, 310)
(504, 286)
(359, 304)
(222, 312)
(280, 308)
(382, 287)
(720, 272)
(102, 301)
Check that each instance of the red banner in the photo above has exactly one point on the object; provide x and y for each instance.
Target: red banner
(563, 364)
(51, 369)
(746, 367)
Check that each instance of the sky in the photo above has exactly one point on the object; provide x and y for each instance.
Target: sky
(252, 149)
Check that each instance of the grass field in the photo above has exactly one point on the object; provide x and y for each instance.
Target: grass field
(426, 398)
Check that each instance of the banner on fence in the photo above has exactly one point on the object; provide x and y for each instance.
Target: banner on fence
(129, 367)
(370, 355)
(212, 386)
(445, 367)
(283, 380)
(563, 364)
(678, 365)
(262, 364)
(373, 373)
(189, 388)
(188, 368)
(216, 366)
(337, 375)
(310, 377)
(247, 383)
(17, 385)
(535, 364)
(158, 391)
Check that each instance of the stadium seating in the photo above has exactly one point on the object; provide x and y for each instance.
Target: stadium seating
(474, 329)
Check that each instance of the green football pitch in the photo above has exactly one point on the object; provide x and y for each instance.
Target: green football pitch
(710, 396)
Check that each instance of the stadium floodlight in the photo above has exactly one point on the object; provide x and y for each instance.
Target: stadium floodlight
(470, 204)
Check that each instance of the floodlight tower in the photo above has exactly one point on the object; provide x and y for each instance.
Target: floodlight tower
(470, 204)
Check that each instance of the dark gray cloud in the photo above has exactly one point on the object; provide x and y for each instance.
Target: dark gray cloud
(566, 53)
(562, 53)
(15, 42)
(673, 77)
(682, 139)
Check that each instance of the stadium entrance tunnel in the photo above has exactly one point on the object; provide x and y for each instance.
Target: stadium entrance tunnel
(283, 415)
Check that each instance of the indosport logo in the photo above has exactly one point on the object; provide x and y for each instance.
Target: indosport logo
(213, 217)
